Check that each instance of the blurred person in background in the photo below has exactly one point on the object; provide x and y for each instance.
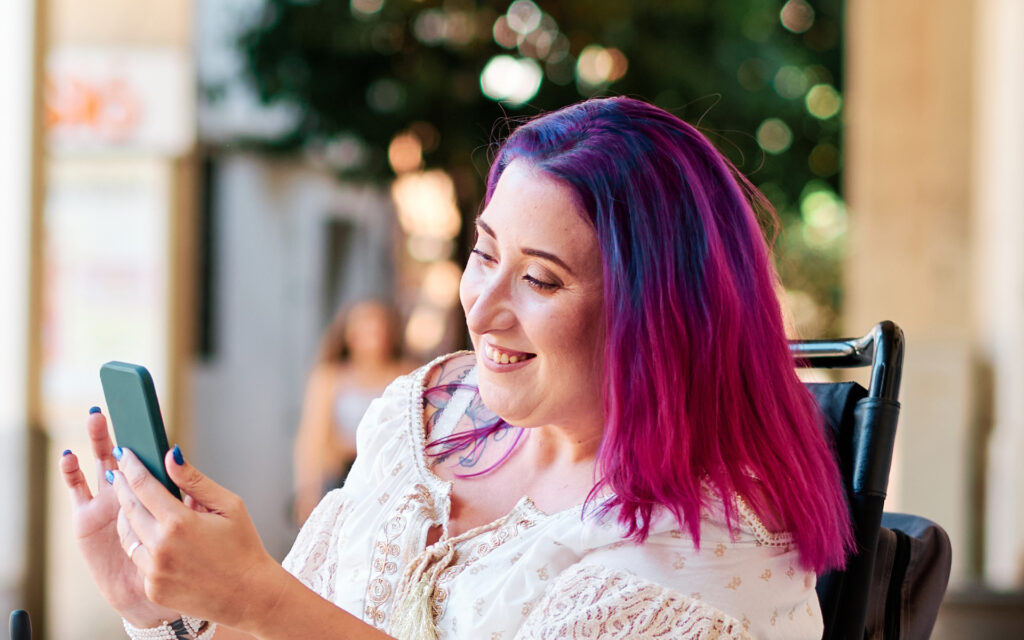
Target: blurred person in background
(358, 356)
(627, 452)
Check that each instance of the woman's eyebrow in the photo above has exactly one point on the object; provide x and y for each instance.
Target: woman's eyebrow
(486, 228)
(526, 250)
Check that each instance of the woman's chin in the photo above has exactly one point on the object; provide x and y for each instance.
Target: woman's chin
(503, 404)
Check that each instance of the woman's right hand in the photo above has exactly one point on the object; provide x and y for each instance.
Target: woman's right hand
(94, 524)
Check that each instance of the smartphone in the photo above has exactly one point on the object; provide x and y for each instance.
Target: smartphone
(133, 408)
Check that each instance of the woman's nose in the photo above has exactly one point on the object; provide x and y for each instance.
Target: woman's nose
(490, 309)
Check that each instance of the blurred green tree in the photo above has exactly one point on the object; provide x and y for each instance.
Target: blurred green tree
(763, 78)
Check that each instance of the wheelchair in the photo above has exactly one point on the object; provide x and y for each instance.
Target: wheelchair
(894, 580)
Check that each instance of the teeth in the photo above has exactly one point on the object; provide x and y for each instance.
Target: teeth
(495, 355)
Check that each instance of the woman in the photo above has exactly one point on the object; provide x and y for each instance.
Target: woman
(666, 475)
(357, 358)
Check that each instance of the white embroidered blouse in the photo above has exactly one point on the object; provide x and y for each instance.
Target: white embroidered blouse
(530, 574)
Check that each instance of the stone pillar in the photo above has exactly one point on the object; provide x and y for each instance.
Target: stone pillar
(908, 167)
(998, 302)
(21, 562)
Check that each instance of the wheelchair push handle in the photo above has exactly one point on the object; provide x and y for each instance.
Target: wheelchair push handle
(21, 626)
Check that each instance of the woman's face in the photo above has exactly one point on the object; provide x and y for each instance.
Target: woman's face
(532, 293)
(368, 331)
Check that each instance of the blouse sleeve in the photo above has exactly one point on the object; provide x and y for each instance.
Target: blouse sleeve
(314, 557)
(591, 601)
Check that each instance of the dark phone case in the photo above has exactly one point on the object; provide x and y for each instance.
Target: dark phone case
(135, 413)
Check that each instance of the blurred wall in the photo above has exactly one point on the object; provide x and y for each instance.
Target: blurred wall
(21, 47)
(117, 251)
(933, 183)
(269, 285)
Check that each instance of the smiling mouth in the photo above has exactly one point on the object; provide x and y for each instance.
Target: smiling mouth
(500, 356)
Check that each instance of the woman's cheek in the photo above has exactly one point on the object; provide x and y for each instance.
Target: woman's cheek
(469, 287)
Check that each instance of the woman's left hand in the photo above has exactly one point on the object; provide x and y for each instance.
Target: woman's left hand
(208, 563)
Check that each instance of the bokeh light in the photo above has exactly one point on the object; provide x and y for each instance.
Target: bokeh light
(441, 284)
(366, 8)
(790, 82)
(405, 153)
(431, 26)
(824, 160)
(425, 328)
(427, 134)
(797, 16)
(503, 34)
(774, 136)
(537, 44)
(823, 101)
(426, 204)
(523, 16)
(385, 96)
(462, 27)
(823, 214)
(510, 80)
(597, 66)
(559, 49)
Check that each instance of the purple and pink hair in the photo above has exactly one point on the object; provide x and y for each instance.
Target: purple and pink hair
(700, 390)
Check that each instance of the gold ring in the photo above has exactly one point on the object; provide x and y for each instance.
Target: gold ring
(132, 549)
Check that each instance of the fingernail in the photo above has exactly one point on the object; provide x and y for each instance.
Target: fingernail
(178, 458)
(117, 453)
(67, 452)
(93, 410)
(109, 475)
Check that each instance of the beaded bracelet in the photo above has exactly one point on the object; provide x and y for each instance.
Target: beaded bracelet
(184, 628)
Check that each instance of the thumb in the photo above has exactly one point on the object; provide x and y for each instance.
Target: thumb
(195, 484)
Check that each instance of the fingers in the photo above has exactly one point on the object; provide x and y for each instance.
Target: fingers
(100, 442)
(202, 490)
(74, 479)
(139, 518)
(147, 488)
(136, 551)
(140, 485)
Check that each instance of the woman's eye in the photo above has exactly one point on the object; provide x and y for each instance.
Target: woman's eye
(540, 284)
(483, 256)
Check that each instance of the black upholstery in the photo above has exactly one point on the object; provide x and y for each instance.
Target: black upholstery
(863, 433)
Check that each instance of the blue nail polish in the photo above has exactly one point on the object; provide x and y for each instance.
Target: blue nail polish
(178, 458)
(109, 475)
(67, 452)
(93, 410)
(117, 453)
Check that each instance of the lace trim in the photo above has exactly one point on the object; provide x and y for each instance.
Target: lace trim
(590, 601)
(418, 430)
(761, 532)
